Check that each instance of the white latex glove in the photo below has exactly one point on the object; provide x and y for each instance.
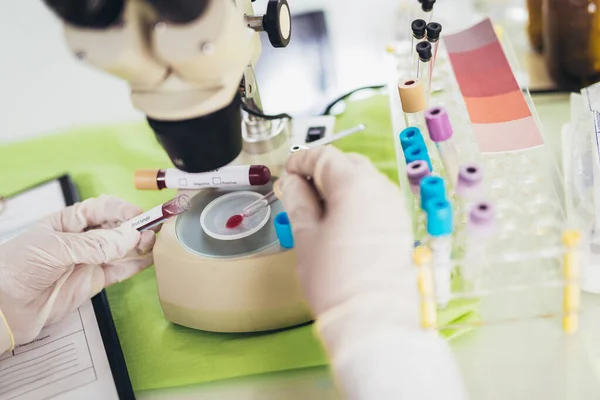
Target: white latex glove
(50, 270)
(353, 249)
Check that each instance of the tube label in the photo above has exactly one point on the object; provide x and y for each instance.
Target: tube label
(235, 175)
(149, 217)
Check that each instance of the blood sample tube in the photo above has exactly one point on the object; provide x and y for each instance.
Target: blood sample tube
(424, 52)
(418, 28)
(171, 178)
(440, 132)
(161, 213)
(439, 228)
(480, 227)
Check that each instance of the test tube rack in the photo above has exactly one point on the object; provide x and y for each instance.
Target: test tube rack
(530, 266)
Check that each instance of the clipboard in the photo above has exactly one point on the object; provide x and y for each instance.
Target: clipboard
(108, 362)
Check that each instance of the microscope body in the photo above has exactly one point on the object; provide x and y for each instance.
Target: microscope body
(190, 67)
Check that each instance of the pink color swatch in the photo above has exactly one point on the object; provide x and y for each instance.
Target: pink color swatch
(498, 110)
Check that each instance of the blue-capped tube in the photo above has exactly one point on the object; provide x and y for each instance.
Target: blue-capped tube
(283, 229)
(440, 225)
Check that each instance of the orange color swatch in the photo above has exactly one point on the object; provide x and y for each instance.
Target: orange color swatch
(494, 109)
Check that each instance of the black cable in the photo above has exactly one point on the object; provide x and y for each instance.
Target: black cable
(264, 116)
(553, 91)
(350, 93)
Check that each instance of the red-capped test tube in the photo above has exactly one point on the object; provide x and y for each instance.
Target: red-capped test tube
(161, 213)
(229, 176)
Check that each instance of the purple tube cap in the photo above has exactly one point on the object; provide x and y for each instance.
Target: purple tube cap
(417, 170)
(482, 218)
(470, 180)
(438, 124)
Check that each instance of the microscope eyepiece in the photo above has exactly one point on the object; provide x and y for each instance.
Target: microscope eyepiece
(88, 13)
(205, 143)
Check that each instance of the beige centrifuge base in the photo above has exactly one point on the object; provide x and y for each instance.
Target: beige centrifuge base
(259, 292)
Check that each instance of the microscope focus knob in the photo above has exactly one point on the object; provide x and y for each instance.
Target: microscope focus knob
(277, 22)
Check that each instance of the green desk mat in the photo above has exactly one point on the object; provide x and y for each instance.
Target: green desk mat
(160, 354)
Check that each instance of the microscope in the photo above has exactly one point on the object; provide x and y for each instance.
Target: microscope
(190, 66)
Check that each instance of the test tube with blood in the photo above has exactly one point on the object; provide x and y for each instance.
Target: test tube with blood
(161, 213)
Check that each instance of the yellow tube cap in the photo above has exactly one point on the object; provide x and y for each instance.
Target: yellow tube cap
(145, 179)
(412, 96)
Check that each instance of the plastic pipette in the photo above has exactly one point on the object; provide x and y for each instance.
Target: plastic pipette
(440, 131)
(336, 136)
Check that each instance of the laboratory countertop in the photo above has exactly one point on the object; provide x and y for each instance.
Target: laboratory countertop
(518, 361)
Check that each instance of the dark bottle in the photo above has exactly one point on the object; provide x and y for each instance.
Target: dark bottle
(571, 36)
(534, 25)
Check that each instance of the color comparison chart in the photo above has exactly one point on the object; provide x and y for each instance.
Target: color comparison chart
(501, 118)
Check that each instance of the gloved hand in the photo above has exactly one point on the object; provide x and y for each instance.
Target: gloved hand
(50, 270)
(358, 239)
(353, 246)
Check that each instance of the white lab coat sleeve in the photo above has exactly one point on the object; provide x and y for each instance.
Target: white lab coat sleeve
(7, 342)
(378, 351)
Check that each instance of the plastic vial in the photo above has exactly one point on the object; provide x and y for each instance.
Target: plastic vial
(440, 132)
(230, 176)
(439, 228)
(480, 227)
(161, 213)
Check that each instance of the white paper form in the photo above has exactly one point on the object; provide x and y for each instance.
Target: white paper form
(67, 361)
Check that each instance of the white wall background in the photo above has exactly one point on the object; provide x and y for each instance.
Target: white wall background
(43, 88)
